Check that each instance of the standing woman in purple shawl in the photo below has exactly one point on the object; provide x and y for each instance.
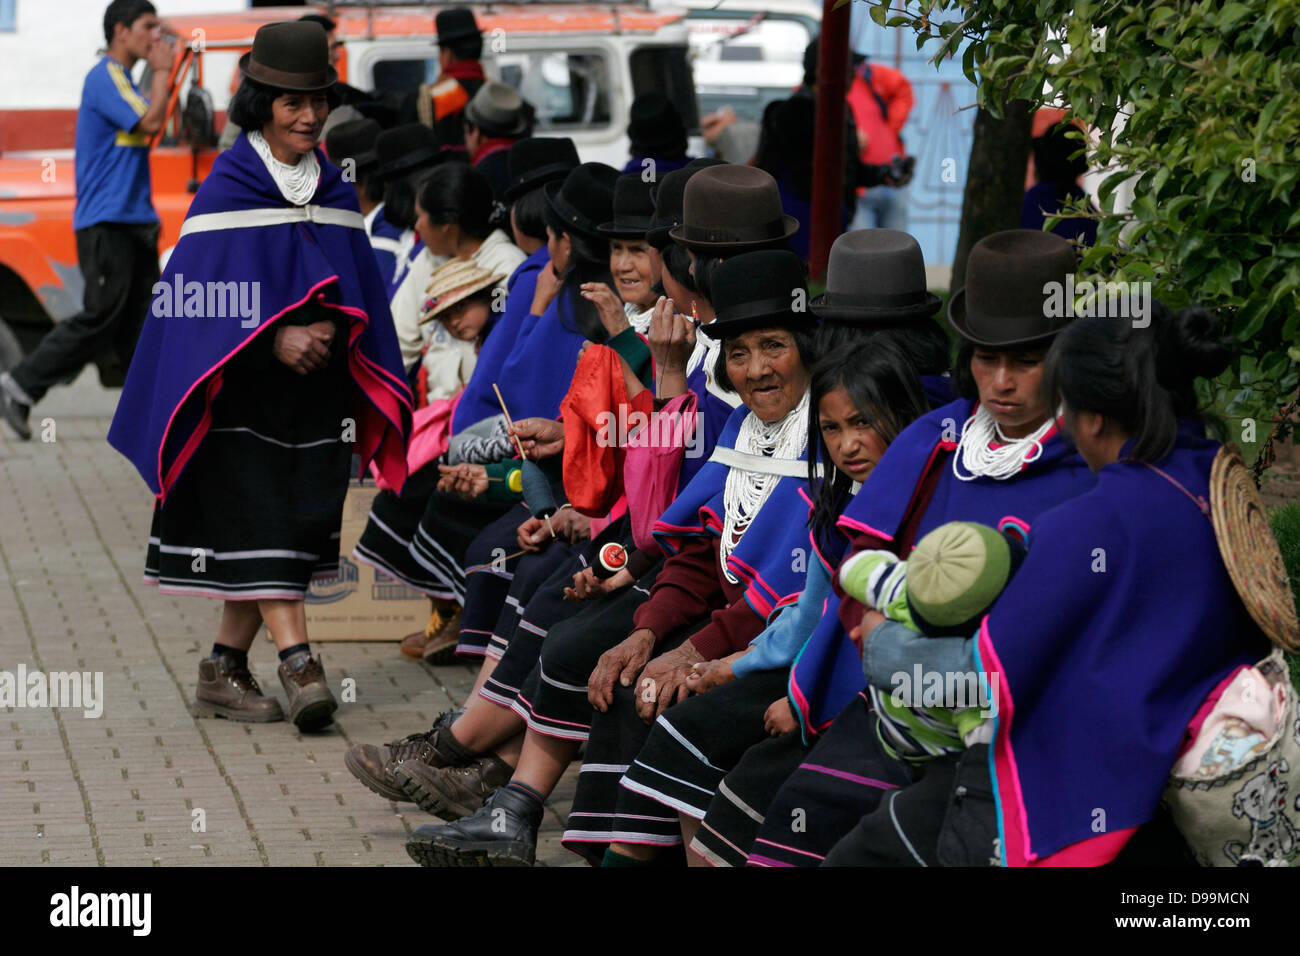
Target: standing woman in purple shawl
(243, 409)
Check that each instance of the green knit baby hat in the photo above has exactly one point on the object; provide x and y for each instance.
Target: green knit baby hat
(956, 572)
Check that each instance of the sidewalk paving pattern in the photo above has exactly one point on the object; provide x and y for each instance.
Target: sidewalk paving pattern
(123, 789)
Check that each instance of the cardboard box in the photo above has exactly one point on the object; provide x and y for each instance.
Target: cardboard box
(362, 603)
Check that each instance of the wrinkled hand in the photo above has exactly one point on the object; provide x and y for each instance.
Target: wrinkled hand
(608, 306)
(587, 586)
(621, 663)
(710, 674)
(304, 348)
(547, 288)
(539, 437)
(468, 481)
(779, 720)
(663, 682)
(533, 535)
(672, 337)
(577, 526)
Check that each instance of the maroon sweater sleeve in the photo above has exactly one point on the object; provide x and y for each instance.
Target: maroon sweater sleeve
(690, 587)
(687, 589)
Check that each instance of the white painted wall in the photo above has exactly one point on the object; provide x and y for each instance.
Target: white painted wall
(44, 61)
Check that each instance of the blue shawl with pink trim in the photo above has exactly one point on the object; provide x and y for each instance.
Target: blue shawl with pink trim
(1102, 649)
(827, 674)
(176, 372)
(771, 557)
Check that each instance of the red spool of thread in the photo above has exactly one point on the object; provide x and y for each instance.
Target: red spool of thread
(610, 559)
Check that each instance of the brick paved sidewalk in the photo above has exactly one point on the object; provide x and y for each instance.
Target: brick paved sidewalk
(121, 790)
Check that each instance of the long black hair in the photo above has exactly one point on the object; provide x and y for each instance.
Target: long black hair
(399, 197)
(922, 341)
(455, 192)
(1140, 378)
(589, 262)
(886, 390)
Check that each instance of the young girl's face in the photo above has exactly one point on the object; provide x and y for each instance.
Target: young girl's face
(467, 320)
(854, 446)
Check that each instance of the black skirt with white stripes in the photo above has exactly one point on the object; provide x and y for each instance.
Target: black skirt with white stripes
(256, 513)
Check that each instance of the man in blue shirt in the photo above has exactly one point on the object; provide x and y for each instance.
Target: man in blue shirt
(115, 223)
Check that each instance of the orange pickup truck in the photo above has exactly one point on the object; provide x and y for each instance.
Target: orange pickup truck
(580, 64)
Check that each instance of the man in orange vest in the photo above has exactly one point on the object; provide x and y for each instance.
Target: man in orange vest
(460, 45)
(881, 98)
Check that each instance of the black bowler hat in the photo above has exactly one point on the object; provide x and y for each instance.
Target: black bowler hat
(633, 209)
(458, 23)
(730, 209)
(876, 277)
(406, 147)
(537, 161)
(655, 127)
(1009, 279)
(291, 55)
(758, 290)
(498, 110)
(667, 195)
(584, 200)
(353, 140)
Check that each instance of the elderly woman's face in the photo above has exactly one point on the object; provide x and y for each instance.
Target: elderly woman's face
(295, 124)
(765, 369)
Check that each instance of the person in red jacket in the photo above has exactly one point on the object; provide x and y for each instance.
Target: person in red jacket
(881, 98)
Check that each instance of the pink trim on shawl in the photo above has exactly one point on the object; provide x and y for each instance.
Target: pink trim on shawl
(1006, 783)
(1095, 851)
(192, 443)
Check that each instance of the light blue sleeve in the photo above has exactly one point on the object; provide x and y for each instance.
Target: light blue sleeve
(780, 641)
(892, 648)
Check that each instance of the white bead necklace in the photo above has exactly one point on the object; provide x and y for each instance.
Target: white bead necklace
(1005, 461)
(746, 491)
(296, 183)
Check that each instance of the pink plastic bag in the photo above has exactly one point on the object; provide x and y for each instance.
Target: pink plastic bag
(654, 463)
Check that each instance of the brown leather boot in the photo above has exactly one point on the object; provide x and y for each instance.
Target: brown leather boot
(373, 764)
(311, 705)
(413, 644)
(452, 792)
(441, 647)
(228, 689)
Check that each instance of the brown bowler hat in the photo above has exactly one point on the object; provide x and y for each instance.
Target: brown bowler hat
(291, 55)
(731, 208)
(1008, 277)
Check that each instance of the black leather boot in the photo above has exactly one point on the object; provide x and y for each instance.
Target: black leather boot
(503, 832)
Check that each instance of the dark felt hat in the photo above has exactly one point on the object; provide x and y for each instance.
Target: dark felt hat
(406, 147)
(655, 127)
(633, 209)
(876, 277)
(758, 290)
(1009, 278)
(291, 55)
(537, 161)
(353, 140)
(498, 110)
(458, 23)
(585, 199)
(667, 194)
(730, 209)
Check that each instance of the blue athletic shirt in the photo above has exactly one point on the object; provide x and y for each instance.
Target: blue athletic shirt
(112, 162)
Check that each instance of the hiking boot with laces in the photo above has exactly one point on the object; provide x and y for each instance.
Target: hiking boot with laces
(311, 705)
(373, 764)
(227, 688)
(503, 832)
(440, 648)
(453, 792)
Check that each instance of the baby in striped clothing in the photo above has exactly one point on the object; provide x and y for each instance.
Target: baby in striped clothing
(944, 588)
